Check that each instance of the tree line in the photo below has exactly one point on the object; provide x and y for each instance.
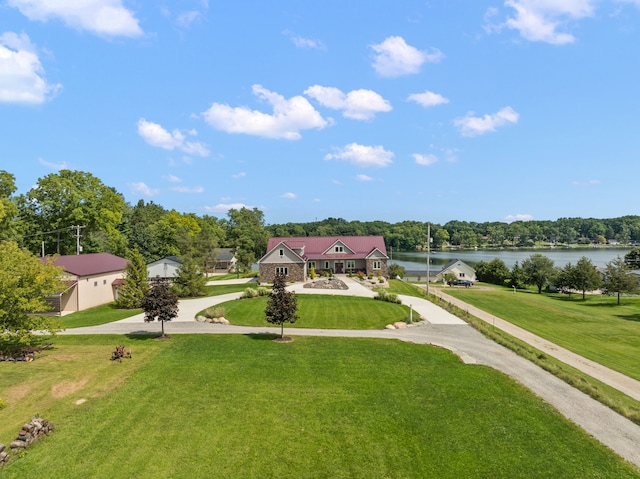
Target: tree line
(539, 270)
(69, 210)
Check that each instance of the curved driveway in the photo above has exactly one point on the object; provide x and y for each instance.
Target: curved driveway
(440, 328)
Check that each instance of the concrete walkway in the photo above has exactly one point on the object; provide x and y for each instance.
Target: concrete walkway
(443, 330)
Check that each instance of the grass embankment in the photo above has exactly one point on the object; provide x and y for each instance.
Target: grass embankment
(242, 406)
(596, 328)
(504, 304)
(321, 311)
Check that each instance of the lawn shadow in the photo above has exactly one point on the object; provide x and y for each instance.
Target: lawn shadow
(629, 317)
(262, 336)
(142, 335)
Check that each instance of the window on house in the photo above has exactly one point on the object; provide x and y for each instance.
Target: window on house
(95, 283)
(377, 265)
(351, 264)
(281, 252)
(339, 249)
(312, 264)
(282, 270)
(326, 265)
(461, 275)
(104, 281)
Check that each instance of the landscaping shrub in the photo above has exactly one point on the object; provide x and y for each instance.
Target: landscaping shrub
(388, 297)
(2, 404)
(249, 293)
(214, 312)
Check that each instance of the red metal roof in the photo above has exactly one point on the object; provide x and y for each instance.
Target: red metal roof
(315, 246)
(90, 264)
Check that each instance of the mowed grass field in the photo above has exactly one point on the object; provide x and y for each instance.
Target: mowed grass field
(596, 328)
(321, 311)
(206, 406)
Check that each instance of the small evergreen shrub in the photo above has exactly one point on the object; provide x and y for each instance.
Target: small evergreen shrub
(2, 404)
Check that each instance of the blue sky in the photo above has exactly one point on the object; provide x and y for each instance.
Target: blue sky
(416, 110)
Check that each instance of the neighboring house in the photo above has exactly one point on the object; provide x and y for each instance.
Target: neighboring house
(294, 257)
(91, 280)
(459, 268)
(225, 259)
(164, 268)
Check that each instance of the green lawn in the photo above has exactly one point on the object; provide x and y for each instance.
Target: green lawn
(321, 311)
(596, 328)
(247, 407)
(102, 314)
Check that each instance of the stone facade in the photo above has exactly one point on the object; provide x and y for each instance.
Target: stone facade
(295, 272)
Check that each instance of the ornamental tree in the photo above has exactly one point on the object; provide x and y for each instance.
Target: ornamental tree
(282, 305)
(160, 302)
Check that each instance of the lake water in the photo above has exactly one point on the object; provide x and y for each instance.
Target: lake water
(560, 256)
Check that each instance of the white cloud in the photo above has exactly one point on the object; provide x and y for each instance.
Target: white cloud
(288, 119)
(470, 125)
(428, 99)
(301, 42)
(186, 189)
(224, 207)
(237, 176)
(288, 196)
(102, 17)
(173, 179)
(586, 183)
(518, 217)
(156, 135)
(22, 77)
(54, 166)
(143, 189)
(425, 160)
(364, 178)
(356, 105)
(395, 58)
(543, 20)
(362, 155)
(186, 19)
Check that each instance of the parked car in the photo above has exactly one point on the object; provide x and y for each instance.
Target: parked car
(463, 282)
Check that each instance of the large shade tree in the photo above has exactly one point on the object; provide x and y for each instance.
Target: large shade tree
(247, 235)
(538, 270)
(25, 283)
(8, 208)
(60, 202)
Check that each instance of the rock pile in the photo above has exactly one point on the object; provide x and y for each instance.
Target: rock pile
(31, 432)
(4, 457)
(396, 325)
(204, 319)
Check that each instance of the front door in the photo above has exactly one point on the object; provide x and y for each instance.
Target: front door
(339, 268)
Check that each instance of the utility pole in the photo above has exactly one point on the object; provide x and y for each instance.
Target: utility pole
(77, 235)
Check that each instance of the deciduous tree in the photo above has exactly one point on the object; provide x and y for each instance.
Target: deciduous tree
(282, 305)
(538, 270)
(160, 303)
(25, 282)
(618, 279)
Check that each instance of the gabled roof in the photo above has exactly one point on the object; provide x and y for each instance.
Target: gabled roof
(224, 254)
(452, 263)
(318, 246)
(90, 264)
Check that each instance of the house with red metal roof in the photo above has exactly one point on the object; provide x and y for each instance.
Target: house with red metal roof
(91, 280)
(295, 257)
